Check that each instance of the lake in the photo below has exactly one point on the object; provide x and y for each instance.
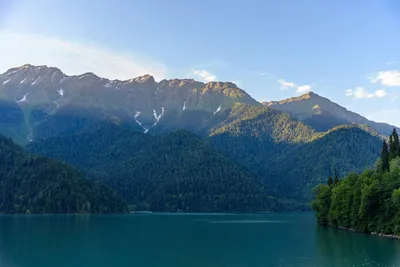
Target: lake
(187, 240)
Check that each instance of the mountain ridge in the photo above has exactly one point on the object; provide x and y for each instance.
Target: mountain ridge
(323, 114)
(42, 92)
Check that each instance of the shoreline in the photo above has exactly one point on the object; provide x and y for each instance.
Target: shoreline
(392, 236)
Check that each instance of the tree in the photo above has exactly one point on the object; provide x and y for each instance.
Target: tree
(395, 164)
(330, 181)
(396, 144)
(391, 147)
(336, 177)
(385, 157)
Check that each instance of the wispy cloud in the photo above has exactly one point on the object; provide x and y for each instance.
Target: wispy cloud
(204, 75)
(285, 85)
(387, 78)
(361, 93)
(73, 57)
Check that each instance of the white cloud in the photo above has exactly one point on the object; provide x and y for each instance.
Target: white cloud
(285, 85)
(387, 78)
(204, 75)
(303, 89)
(73, 58)
(349, 92)
(386, 115)
(361, 93)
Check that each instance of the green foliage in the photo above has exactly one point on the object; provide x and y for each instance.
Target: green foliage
(38, 185)
(369, 202)
(290, 157)
(321, 203)
(395, 164)
(394, 145)
(171, 172)
(385, 157)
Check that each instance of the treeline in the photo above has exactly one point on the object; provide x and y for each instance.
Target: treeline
(37, 185)
(369, 202)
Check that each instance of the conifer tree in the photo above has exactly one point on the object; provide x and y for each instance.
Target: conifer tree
(385, 157)
(391, 147)
(330, 181)
(396, 144)
(336, 177)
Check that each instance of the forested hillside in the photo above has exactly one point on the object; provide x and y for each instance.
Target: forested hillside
(290, 156)
(38, 185)
(369, 202)
(171, 172)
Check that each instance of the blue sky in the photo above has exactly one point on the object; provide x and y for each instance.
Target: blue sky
(347, 51)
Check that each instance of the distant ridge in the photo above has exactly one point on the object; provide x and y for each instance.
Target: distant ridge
(323, 114)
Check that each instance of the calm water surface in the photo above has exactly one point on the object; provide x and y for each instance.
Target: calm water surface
(187, 240)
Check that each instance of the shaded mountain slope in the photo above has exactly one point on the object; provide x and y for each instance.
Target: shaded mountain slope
(38, 185)
(176, 171)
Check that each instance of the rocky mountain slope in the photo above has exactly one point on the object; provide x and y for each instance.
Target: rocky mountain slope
(323, 114)
(40, 97)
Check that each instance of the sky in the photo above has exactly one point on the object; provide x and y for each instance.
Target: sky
(347, 51)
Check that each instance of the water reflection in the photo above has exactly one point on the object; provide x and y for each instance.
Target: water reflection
(187, 240)
(343, 248)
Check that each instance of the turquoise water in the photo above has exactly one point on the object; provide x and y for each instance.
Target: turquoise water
(187, 240)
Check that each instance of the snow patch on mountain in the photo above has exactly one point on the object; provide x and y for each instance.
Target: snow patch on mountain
(218, 109)
(85, 75)
(63, 79)
(52, 76)
(184, 105)
(5, 82)
(36, 81)
(24, 80)
(138, 122)
(23, 99)
(157, 117)
(61, 91)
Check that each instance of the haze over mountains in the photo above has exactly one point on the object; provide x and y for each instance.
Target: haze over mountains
(136, 136)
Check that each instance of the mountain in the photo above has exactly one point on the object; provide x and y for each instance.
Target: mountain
(323, 114)
(288, 155)
(31, 184)
(120, 132)
(170, 172)
(249, 143)
(42, 101)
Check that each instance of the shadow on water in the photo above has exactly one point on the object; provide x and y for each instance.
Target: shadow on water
(345, 248)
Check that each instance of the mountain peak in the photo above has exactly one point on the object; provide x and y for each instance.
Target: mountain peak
(143, 79)
(309, 95)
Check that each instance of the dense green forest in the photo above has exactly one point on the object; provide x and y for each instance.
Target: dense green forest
(169, 172)
(37, 185)
(289, 156)
(369, 202)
